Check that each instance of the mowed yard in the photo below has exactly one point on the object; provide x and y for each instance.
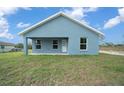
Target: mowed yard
(102, 69)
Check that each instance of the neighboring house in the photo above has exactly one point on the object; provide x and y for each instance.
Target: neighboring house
(62, 34)
(6, 47)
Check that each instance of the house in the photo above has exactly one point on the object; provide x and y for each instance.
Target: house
(62, 34)
(6, 47)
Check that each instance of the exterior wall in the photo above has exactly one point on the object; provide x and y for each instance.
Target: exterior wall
(63, 27)
(47, 46)
(6, 48)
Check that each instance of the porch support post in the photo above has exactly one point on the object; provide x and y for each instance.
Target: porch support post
(25, 40)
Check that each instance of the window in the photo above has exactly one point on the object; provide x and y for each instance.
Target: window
(83, 43)
(2, 46)
(38, 44)
(55, 44)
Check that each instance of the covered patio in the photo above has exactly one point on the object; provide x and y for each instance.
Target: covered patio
(47, 45)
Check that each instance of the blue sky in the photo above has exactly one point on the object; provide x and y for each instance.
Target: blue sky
(110, 21)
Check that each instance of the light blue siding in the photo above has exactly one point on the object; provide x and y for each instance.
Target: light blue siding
(47, 45)
(64, 27)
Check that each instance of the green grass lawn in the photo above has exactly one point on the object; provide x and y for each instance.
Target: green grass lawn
(103, 69)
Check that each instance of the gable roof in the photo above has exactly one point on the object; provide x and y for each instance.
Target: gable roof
(56, 15)
(6, 43)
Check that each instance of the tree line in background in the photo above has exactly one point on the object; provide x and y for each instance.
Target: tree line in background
(20, 45)
(110, 44)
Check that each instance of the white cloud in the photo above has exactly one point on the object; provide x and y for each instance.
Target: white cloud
(4, 29)
(4, 25)
(26, 8)
(11, 10)
(23, 25)
(79, 13)
(75, 12)
(116, 20)
(7, 10)
(98, 27)
(121, 13)
(112, 22)
(91, 9)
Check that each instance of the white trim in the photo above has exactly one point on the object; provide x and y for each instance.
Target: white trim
(39, 23)
(38, 44)
(86, 44)
(55, 44)
(56, 15)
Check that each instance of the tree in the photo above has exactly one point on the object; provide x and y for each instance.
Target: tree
(19, 45)
(109, 44)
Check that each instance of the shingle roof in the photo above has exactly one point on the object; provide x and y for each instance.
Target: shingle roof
(6, 43)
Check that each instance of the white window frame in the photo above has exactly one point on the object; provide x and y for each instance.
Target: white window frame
(38, 44)
(55, 44)
(84, 44)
